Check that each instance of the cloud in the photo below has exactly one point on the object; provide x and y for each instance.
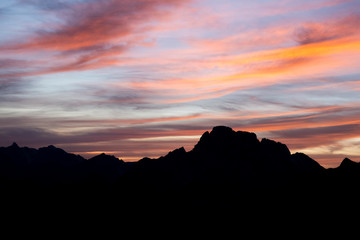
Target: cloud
(250, 70)
(89, 34)
(117, 122)
(10, 88)
(8, 63)
(314, 32)
(258, 69)
(330, 154)
(312, 134)
(299, 129)
(89, 24)
(10, 69)
(28, 136)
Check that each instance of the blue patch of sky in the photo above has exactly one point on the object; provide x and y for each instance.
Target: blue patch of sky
(20, 19)
(293, 95)
(15, 23)
(171, 42)
(69, 80)
(346, 8)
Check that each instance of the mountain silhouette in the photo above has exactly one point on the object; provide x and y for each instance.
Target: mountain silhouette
(224, 156)
(227, 170)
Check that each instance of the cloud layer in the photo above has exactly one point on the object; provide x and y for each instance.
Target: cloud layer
(93, 76)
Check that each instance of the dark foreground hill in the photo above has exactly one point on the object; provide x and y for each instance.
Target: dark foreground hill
(226, 172)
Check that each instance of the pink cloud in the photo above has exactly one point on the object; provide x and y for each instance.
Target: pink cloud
(91, 34)
(90, 24)
(322, 31)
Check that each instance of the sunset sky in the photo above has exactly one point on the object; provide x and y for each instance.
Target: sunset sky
(137, 78)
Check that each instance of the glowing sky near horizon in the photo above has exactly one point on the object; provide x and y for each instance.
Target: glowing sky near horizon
(136, 78)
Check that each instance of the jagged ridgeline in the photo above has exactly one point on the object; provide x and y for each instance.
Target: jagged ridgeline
(225, 168)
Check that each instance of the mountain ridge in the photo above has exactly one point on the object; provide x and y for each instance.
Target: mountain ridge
(226, 169)
(215, 130)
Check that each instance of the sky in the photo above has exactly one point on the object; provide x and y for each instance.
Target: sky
(140, 78)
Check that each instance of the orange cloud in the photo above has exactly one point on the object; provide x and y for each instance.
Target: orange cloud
(261, 68)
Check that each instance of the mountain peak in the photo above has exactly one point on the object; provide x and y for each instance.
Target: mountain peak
(222, 130)
(305, 163)
(177, 153)
(348, 163)
(105, 158)
(14, 145)
(224, 139)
